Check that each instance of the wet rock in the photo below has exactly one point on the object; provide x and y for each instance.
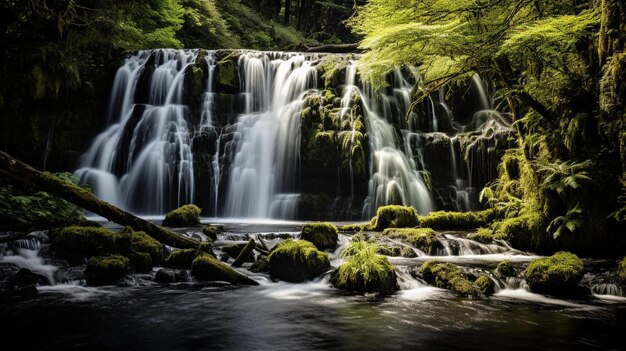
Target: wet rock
(184, 216)
(505, 269)
(235, 249)
(297, 261)
(394, 217)
(448, 276)
(557, 275)
(424, 239)
(322, 235)
(181, 258)
(485, 285)
(211, 231)
(106, 270)
(168, 276)
(262, 265)
(22, 285)
(208, 268)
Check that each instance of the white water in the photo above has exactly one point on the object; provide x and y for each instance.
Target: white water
(262, 182)
(143, 162)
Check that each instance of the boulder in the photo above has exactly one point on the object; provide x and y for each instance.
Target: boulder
(323, 235)
(181, 258)
(106, 270)
(393, 216)
(297, 261)
(184, 216)
(557, 275)
(168, 276)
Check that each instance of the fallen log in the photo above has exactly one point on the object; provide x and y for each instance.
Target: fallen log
(244, 254)
(87, 200)
(332, 48)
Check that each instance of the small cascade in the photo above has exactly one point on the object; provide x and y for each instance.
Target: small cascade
(143, 162)
(394, 177)
(25, 253)
(262, 182)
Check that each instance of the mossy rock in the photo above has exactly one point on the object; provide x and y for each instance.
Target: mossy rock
(621, 271)
(262, 265)
(353, 228)
(448, 276)
(142, 242)
(208, 268)
(141, 261)
(485, 285)
(558, 274)
(323, 235)
(181, 258)
(168, 276)
(234, 250)
(394, 216)
(106, 270)
(184, 216)
(483, 235)
(227, 75)
(506, 269)
(297, 261)
(424, 239)
(523, 232)
(456, 220)
(84, 242)
(211, 231)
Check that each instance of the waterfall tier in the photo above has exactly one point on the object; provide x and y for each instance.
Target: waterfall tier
(249, 134)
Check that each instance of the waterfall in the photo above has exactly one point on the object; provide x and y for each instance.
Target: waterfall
(222, 129)
(262, 182)
(143, 162)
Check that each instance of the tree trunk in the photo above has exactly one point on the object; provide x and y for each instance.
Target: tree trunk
(287, 11)
(87, 200)
(245, 252)
(332, 48)
(612, 55)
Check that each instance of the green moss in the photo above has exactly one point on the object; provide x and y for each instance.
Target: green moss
(506, 269)
(355, 228)
(181, 258)
(524, 231)
(83, 242)
(333, 68)
(297, 261)
(422, 238)
(394, 216)
(212, 231)
(208, 268)
(456, 220)
(322, 234)
(184, 216)
(262, 265)
(365, 271)
(141, 242)
(106, 270)
(484, 284)
(227, 76)
(621, 271)
(447, 276)
(483, 235)
(558, 274)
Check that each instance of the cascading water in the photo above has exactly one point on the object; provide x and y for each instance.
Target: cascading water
(236, 151)
(263, 174)
(144, 161)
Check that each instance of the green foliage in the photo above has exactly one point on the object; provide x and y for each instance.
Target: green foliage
(483, 235)
(323, 235)
(39, 209)
(184, 216)
(456, 220)
(297, 261)
(558, 274)
(106, 270)
(560, 176)
(394, 216)
(569, 223)
(364, 270)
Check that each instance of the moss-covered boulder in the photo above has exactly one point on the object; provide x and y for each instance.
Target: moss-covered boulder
(142, 242)
(506, 269)
(394, 216)
(168, 276)
(323, 235)
(621, 271)
(262, 265)
(184, 216)
(84, 242)
(424, 239)
(354, 228)
(181, 258)
(227, 75)
(211, 231)
(208, 268)
(456, 220)
(297, 261)
(365, 271)
(558, 274)
(106, 270)
(448, 276)
(485, 285)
